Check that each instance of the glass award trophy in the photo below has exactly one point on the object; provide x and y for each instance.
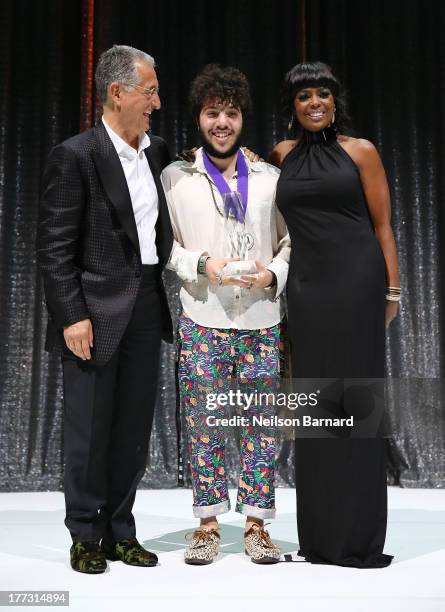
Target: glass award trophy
(238, 241)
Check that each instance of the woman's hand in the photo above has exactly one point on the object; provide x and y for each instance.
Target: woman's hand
(262, 279)
(391, 311)
(251, 156)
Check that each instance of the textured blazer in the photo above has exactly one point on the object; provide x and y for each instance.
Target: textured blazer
(87, 242)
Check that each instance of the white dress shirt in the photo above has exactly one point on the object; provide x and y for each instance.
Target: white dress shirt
(198, 228)
(143, 193)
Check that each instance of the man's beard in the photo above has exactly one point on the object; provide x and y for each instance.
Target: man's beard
(210, 149)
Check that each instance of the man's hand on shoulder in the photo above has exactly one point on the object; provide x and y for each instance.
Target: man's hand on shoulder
(79, 338)
(187, 155)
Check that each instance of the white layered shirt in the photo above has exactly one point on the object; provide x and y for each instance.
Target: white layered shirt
(196, 212)
(143, 192)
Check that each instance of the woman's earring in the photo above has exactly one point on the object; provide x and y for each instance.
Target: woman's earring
(333, 118)
(291, 122)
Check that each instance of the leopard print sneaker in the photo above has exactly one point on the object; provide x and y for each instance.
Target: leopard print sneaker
(259, 546)
(203, 547)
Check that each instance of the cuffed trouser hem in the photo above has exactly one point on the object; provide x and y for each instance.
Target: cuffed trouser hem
(259, 513)
(213, 510)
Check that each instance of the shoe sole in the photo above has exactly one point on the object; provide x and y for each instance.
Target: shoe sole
(101, 571)
(197, 561)
(115, 558)
(263, 560)
(141, 565)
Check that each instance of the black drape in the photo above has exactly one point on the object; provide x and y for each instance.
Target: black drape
(257, 37)
(391, 59)
(39, 98)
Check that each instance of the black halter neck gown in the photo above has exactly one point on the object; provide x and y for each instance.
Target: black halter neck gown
(336, 306)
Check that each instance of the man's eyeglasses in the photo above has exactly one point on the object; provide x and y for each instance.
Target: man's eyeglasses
(148, 91)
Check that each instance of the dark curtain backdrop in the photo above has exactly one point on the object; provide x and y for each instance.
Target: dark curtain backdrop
(391, 59)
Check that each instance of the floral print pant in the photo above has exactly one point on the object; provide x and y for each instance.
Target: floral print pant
(209, 360)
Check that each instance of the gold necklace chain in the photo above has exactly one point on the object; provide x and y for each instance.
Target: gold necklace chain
(213, 195)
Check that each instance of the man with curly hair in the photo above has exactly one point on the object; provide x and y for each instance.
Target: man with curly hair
(230, 326)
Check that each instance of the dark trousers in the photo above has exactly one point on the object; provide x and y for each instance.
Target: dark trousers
(108, 419)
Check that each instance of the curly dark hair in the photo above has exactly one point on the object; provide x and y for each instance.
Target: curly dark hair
(221, 83)
(315, 74)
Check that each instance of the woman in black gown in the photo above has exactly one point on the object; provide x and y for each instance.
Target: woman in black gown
(342, 285)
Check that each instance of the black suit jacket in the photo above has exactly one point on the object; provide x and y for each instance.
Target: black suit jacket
(87, 242)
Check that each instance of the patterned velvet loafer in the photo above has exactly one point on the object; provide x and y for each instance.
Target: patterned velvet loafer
(259, 546)
(129, 552)
(203, 547)
(88, 558)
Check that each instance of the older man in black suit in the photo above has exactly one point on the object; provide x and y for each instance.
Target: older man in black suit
(104, 236)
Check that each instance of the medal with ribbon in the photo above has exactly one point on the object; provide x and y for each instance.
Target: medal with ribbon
(238, 241)
(242, 186)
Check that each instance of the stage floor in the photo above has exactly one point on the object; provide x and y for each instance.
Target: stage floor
(34, 556)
